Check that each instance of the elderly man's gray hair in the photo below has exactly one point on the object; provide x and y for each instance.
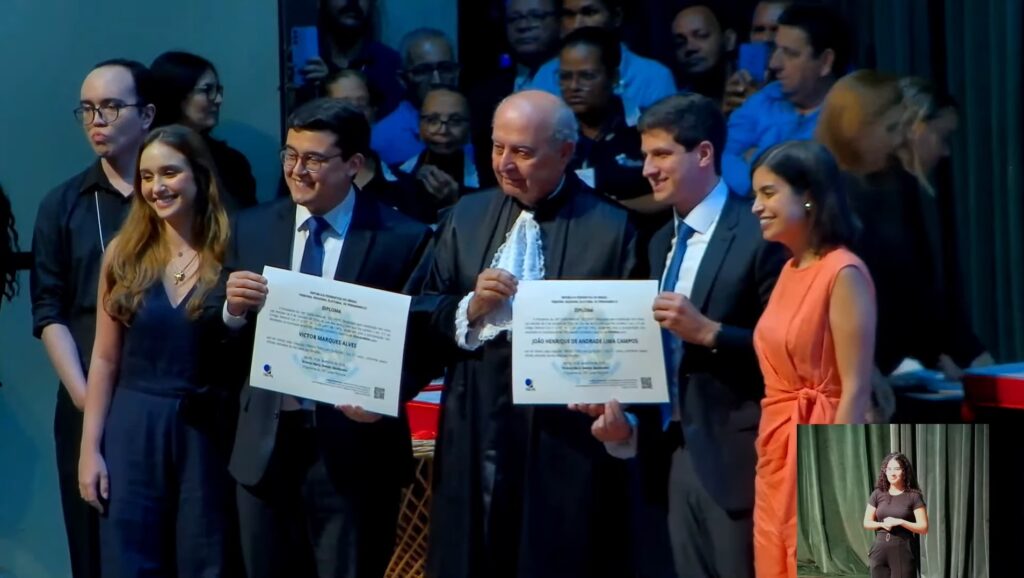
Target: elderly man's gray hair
(564, 128)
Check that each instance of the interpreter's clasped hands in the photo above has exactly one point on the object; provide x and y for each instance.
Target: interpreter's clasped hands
(890, 523)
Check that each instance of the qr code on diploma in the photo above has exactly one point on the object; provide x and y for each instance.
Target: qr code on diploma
(645, 383)
(378, 393)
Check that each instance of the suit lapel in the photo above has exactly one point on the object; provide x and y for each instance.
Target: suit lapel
(714, 255)
(282, 227)
(659, 247)
(358, 241)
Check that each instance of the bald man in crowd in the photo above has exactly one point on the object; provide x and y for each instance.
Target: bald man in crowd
(521, 491)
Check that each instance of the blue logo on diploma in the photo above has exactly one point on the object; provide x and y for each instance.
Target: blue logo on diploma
(529, 385)
(266, 370)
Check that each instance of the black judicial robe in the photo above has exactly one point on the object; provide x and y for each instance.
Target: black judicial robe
(522, 491)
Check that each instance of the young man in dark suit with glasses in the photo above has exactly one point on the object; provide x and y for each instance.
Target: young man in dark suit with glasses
(319, 486)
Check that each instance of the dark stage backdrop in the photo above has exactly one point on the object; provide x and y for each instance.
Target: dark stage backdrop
(838, 467)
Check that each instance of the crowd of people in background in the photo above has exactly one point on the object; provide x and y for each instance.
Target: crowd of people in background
(784, 201)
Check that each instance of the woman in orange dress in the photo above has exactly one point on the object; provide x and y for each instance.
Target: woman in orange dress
(815, 341)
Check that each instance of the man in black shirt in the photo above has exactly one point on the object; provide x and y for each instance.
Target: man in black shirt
(75, 222)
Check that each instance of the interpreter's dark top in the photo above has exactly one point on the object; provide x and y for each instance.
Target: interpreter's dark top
(901, 506)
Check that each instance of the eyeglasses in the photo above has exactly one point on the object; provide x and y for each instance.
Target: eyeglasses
(427, 69)
(312, 162)
(436, 121)
(109, 112)
(531, 17)
(210, 91)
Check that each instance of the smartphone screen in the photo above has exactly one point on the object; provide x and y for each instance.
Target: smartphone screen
(754, 58)
(304, 46)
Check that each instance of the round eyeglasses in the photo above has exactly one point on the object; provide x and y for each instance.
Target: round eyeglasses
(311, 162)
(108, 112)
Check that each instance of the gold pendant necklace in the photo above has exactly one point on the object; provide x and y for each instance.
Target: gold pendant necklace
(179, 277)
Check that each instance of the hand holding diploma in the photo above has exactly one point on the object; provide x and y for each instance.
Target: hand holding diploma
(247, 292)
(493, 287)
(678, 314)
(610, 425)
(358, 414)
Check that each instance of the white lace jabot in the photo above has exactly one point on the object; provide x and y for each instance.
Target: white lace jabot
(522, 255)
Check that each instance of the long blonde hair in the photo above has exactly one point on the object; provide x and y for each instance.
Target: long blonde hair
(854, 102)
(923, 102)
(140, 256)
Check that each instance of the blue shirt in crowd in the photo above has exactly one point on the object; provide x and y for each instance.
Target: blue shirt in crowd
(396, 138)
(642, 81)
(765, 119)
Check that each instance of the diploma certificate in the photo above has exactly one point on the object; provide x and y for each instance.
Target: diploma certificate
(586, 342)
(329, 341)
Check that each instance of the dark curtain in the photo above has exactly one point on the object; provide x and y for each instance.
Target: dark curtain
(973, 48)
(983, 67)
(952, 468)
(838, 467)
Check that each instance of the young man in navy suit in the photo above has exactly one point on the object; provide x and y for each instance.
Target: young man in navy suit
(716, 274)
(319, 486)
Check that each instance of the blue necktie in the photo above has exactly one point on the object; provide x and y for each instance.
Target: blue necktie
(313, 254)
(671, 344)
(313, 264)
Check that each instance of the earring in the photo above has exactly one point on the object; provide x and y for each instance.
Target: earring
(807, 205)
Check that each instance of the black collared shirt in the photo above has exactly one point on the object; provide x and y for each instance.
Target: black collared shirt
(398, 190)
(74, 224)
(615, 158)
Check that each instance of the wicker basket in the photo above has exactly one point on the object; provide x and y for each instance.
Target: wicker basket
(414, 517)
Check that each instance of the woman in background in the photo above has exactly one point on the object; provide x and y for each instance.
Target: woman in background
(814, 341)
(862, 124)
(896, 500)
(929, 120)
(188, 92)
(156, 430)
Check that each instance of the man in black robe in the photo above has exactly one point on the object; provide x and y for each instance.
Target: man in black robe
(521, 491)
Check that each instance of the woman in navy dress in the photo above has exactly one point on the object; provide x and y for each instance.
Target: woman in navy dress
(154, 453)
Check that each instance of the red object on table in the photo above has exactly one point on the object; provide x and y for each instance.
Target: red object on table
(999, 386)
(424, 416)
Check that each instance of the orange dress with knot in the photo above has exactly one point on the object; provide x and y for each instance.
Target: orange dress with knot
(794, 346)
